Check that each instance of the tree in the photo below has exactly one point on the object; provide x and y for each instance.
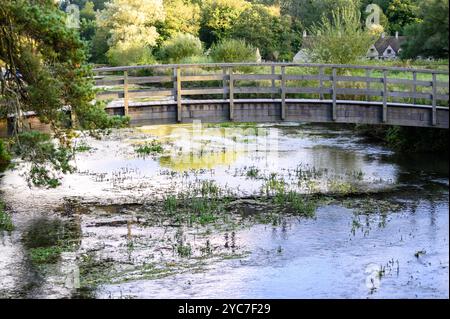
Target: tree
(401, 13)
(181, 17)
(309, 12)
(266, 29)
(396, 13)
(429, 38)
(132, 30)
(218, 17)
(44, 72)
(340, 39)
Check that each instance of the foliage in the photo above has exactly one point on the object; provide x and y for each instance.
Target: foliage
(154, 147)
(340, 39)
(266, 29)
(396, 13)
(131, 55)
(180, 47)
(309, 12)
(430, 37)
(232, 50)
(5, 219)
(132, 29)
(181, 17)
(5, 157)
(45, 157)
(218, 17)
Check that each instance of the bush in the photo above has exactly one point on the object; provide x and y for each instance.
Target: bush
(181, 46)
(232, 50)
(5, 157)
(133, 55)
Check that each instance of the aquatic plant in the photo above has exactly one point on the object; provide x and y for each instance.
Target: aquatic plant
(154, 147)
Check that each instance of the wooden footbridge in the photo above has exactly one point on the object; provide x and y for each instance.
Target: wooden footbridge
(273, 92)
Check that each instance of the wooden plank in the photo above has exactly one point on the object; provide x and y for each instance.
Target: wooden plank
(256, 77)
(203, 91)
(366, 79)
(224, 83)
(231, 89)
(291, 90)
(200, 78)
(109, 82)
(368, 75)
(442, 97)
(441, 84)
(385, 96)
(414, 86)
(126, 98)
(150, 93)
(321, 75)
(410, 82)
(272, 71)
(178, 91)
(350, 91)
(255, 90)
(150, 79)
(334, 88)
(434, 102)
(417, 95)
(283, 93)
(308, 78)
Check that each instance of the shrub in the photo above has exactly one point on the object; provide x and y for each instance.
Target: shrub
(180, 47)
(5, 157)
(132, 55)
(232, 50)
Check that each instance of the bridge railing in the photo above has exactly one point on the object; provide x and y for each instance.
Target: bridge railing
(331, 83)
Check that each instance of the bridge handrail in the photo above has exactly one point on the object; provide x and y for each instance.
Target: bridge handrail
(435, 90)
(268, 64)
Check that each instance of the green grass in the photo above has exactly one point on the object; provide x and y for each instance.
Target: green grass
(82, 147)
(45, 255)
(5, 219)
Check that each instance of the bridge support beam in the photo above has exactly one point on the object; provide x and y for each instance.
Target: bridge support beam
(385, 97)
(334, 89)
(433, 110)
(177, 84)
(126, 98)
(231, 88)
(283, 93)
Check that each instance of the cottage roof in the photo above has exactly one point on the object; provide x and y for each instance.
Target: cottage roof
(394, 42)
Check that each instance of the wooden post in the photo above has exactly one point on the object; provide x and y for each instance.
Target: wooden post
(224, 83)
(385, 96)
(125, 93)
(321, 74)
(414, 86)
(231, 88)
(272, 68)
(283, 93)
(368, 74)
(333, 110)
(433, 111)
(178, 94)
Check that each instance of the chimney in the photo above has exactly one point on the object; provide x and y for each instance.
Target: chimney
(396, 34)
(305, 34)
(383, 35)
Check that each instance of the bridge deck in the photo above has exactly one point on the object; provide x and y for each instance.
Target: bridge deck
(269, 110)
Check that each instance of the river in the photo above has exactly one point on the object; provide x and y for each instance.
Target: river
(123, 225)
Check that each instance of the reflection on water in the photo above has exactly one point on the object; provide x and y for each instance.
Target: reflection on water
(133, 251)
